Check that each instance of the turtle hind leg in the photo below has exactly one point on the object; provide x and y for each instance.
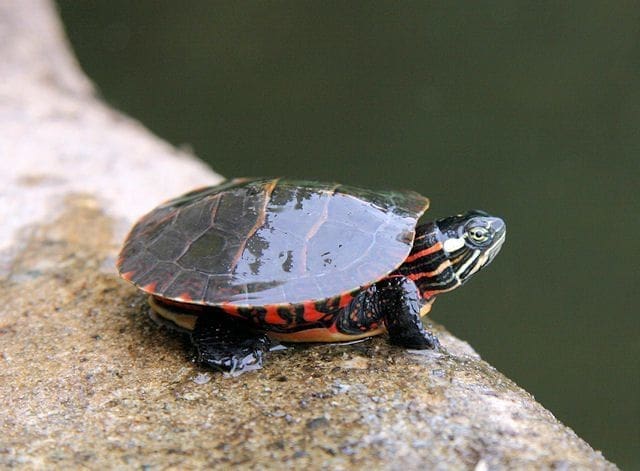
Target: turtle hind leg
(399, 300)
(227, 344)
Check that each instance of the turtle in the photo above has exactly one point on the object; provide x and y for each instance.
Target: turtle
(256, 260)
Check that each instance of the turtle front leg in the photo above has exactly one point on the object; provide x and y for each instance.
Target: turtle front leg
(228, 344)
(399, 301)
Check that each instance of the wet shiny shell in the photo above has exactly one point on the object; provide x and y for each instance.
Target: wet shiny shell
(269, 241)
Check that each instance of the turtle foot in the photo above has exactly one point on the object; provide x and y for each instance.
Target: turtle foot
(227, 345)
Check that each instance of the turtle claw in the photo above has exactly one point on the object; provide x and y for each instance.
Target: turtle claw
(234, 363)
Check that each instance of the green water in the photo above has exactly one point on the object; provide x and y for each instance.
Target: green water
(529, 110)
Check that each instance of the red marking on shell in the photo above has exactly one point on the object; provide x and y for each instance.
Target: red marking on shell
(272, 317)
(429, 250)
(128, 275)
(311, 314)
(150, 288)
(230, 309)
(184, 297)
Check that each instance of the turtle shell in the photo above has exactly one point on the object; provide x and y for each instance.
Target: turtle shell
(250, 242)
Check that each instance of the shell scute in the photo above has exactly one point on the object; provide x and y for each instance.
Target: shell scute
(189, 285)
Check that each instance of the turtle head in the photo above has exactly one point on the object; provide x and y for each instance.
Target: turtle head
(448, 251)
(471, 241)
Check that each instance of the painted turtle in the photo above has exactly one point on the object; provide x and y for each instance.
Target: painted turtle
(300, 261)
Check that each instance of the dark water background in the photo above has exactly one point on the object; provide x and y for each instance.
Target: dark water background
(530, 110)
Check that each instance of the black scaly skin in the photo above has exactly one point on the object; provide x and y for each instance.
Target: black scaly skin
(400, 301)
(362, 314)
(396, 302)
(228, 344)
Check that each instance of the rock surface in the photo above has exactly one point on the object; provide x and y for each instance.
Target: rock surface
(88, 380)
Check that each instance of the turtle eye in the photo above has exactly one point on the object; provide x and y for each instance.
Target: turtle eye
(478, 234)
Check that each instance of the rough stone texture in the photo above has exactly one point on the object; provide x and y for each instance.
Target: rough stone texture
(87, 380)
